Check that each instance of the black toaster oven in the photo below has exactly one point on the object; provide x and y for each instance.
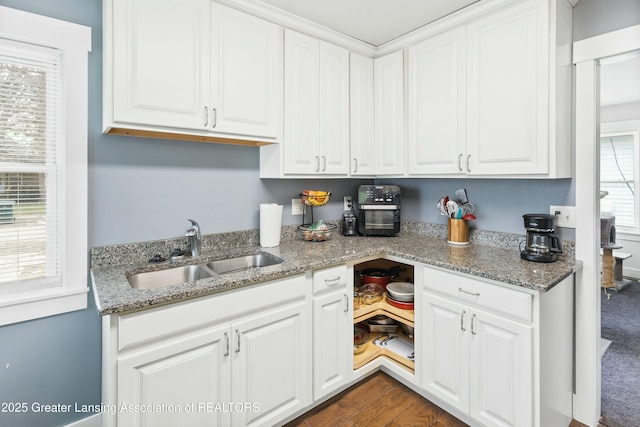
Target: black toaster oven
(378, 210)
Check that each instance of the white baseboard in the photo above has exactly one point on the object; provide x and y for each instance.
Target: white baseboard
(630, 272)
(91, 421)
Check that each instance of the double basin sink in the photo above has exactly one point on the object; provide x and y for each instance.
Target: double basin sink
(191, 272)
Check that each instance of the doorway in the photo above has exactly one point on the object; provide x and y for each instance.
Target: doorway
(586, 57)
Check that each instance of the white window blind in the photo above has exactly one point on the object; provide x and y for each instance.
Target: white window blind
(618, 176)
(30, 134)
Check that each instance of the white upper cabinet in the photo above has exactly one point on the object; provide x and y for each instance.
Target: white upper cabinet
(316, 124)
(491, 97)
(362, 116)
(246, 71)
(160, 63)
(507, 92)
(389, 114)
(191, 67)
(436, 140)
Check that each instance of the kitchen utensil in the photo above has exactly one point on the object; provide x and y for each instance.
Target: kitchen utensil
(403, 305)
(401, 291)
(380, 276)
(360, 339)
(461, 195)
(469, 216)
(397, 344)
(407, 330)
(381, 319)
(371, 293)
(442, 206)
(467, 208)
(452, 207)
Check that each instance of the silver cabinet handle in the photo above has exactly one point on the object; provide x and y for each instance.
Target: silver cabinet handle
(462, 328)
(355, 165)
(206, 116)
(460, 162)
(473, 318)
(226, 338)
(346, 305)
(214, 116)
(468, 163)
(238, 335)
(332, 282)
(475, 294)
(324, 163)
(317, 164)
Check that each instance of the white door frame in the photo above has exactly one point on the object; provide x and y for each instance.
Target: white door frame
(586, 57)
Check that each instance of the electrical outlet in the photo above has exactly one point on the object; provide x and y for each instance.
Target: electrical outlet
(347, 203)
(566, 216)
(297, 208)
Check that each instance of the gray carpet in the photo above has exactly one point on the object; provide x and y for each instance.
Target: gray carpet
(621, 362)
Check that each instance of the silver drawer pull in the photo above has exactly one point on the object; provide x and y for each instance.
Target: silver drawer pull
(332, 282)
(206, 116)
(474, 294)
(462, 328)
(346, 303)
(226, 338)
(214, 112)
(460, 162)
(317, 163)
(324, 163)
(355, 165)
(238, 348)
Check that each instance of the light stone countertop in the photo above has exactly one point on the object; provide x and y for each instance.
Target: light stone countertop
(489, 255)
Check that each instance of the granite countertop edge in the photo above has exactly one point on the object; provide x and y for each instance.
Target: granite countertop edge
(113, 295)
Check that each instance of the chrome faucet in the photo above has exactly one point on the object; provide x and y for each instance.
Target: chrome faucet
(195, 238)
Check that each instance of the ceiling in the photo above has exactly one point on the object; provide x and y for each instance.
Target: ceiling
(372, 21)
(619, 82)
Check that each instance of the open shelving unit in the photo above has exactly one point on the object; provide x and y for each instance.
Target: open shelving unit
(366, 311)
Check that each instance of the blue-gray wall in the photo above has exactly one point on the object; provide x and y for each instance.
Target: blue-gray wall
(146, 189)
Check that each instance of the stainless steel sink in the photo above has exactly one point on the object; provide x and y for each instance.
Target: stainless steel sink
(167, 277)
(260, 259)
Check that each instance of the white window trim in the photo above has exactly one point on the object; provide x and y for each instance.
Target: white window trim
(75, 42)
(626, 127)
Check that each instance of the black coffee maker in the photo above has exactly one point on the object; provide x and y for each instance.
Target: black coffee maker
(543, 244)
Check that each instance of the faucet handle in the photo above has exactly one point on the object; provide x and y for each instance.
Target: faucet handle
(195, 226)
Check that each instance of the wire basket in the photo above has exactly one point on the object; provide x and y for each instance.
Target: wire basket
(315, 197)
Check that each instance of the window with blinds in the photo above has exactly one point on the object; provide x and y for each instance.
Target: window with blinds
(30, 105)
(619, 177)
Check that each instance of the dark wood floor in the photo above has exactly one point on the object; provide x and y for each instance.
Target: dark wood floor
(375, 402)
(380, 401)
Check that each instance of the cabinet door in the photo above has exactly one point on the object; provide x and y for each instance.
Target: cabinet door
(446, 350)
(301, 107)
(501, 371)
(246, 73)
(389, 113)
(161, 62)
(362, 124)
(334, 109)
(436, 116)
(183, 374)
(332, 332)
(507, 92)
(271, 366)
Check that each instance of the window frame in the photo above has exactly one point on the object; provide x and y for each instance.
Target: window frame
(74, 41)
(627, 127)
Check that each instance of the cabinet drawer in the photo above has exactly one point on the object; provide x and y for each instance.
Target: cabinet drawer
(480, 294)
(330, 278)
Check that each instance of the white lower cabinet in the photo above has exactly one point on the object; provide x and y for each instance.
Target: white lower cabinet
(478, 362)
(332, 330)
(241, 358)
(500, 356)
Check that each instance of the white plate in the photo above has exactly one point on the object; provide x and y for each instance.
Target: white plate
(401, 291)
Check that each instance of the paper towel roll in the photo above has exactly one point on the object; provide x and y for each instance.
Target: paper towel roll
(270, 223)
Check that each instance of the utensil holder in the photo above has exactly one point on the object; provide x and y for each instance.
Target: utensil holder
(458, 231)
